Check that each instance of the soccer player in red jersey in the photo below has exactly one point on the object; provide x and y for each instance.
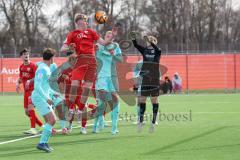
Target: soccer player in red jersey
(81, 42)
(26, 75)
(81, 110)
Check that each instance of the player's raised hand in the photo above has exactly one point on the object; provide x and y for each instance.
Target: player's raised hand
(72, 46)
(133, 35)
(146, 38)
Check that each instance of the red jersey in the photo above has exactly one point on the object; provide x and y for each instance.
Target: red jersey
(27, 72)
(84, 40)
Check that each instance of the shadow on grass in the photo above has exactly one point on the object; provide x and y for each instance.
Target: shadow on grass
(203, 148)
(11, 137)
(31, 149)
(162, 149)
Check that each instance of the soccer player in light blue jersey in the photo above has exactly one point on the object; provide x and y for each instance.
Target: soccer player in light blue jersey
(56, 97)
(107, 81)
(42, 100)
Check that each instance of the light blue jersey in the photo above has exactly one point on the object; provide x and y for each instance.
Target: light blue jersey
(107, 81)
(107, 72)
(137, 69)
(41, 92)
(106, 61)
(53, 78)
(41, 82)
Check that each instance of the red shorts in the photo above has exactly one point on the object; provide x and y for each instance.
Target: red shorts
(27, 98)
(88, 61)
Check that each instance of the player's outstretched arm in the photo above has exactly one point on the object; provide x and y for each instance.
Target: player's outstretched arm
(139, 47)
(118, 54)
(64, 48)
(158, 50)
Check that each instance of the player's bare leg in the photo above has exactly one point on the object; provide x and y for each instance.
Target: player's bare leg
(34, 120)
(72, 98)
(87, 85)
(50, 120)
(115, 107)
(73, 90)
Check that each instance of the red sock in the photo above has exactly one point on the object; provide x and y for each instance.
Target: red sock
(84, 122)
(81, 106)
(32, 117)
(92, 106)
(72, 106)
(39, 123)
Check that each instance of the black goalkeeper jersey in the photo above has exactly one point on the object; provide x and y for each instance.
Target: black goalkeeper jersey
(151, 60)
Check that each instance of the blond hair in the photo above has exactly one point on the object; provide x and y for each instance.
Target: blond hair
(80, 16)
(153, 39)
(109, 32)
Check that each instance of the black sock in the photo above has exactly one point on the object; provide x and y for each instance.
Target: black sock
(142, 111)
(155, 112)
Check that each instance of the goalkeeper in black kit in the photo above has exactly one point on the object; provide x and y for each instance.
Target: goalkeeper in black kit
(150, 77)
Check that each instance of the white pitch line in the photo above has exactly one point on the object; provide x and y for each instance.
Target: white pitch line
(38, 135)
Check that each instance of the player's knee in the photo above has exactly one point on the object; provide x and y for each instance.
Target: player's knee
(87, 84)
(142, 99)
(52, 121)
(30, 107)
(75, 83)
(115, 98)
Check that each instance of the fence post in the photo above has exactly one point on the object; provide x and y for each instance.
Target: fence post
(225, 73)
(1, 66)
(235, 72)
(187, 73)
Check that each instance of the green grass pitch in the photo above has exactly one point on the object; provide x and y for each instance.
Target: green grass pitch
(211, 133)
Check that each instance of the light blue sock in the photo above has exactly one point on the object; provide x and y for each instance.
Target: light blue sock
(47, 131)
(95, 124)
(100, 108)
(101, 122)
(63, 123)
(114, 116)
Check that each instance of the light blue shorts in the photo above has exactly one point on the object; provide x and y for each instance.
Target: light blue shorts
(56, 100)
(108, 84)
(41, 105)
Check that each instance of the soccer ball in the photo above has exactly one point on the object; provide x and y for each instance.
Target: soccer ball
(101, 17)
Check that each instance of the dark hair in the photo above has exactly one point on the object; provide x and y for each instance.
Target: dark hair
(23, 51)
(48, 53)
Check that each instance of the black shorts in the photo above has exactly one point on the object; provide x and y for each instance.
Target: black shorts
(150, 87)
